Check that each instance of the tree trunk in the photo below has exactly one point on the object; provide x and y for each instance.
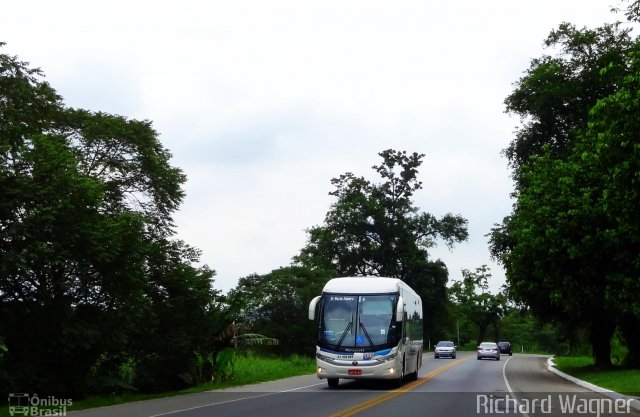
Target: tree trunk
(630, 327)
(496, 329)
(481, 331)
(601, 332)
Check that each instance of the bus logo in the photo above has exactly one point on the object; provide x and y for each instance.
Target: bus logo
(18, 404)
(32, 405)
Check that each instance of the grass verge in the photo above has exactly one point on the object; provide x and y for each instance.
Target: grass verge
(252, 369)
(625, 381)
(249, 369)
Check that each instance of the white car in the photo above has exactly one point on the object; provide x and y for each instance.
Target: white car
(488, 350)
(445, 349)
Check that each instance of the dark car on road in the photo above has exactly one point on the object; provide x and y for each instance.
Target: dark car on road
(505, 347)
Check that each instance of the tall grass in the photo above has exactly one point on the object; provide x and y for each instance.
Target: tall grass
(249, 368)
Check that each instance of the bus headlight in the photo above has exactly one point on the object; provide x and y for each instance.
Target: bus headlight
(324, 358)
(389, 358)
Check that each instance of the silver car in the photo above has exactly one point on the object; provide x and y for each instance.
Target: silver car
(488, 350)
(446, 349)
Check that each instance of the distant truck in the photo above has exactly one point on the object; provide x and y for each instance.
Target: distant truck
(368, 328)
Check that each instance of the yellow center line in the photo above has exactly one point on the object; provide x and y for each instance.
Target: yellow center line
(397, 392)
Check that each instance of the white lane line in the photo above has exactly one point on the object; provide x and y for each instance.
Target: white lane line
(308, 386)
(232, 401)
(506, 382)
(504, 375)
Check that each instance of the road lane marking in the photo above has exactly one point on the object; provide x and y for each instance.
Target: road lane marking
(232, 401)
(504, 375)
(397, 392)
(506, 382)
(296, 389)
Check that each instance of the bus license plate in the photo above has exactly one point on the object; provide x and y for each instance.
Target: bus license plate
(355, 371)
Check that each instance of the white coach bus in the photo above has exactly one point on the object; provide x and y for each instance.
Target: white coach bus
(368, 328)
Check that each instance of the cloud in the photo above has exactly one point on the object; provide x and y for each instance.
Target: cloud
(262, 103)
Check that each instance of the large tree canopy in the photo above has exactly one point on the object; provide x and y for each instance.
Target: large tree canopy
(570, 247)
(610, 149)
(89, 273)
(375, 229)
(555, 95)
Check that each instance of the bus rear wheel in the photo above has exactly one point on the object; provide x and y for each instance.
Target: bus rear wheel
(414, 375)
(333, 382)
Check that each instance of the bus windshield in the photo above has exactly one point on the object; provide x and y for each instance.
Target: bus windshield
(354, 322)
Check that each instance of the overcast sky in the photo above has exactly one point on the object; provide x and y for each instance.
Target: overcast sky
(263, 102)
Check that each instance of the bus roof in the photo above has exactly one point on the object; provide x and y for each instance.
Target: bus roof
(365, 285)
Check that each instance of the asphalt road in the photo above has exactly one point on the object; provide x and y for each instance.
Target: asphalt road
(519, 385)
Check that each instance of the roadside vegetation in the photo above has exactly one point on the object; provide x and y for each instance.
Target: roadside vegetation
(250, 368)
(618, 378)
(571, 246)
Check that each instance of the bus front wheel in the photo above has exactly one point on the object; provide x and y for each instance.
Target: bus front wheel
(398, 382)
(333, 382)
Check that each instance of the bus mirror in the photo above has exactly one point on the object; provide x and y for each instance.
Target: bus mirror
(312, 308)
(400, 309)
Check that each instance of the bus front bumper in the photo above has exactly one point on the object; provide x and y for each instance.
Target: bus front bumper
(386, 370)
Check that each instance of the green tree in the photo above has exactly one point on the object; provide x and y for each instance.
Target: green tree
(375, 229)
(555, 95)
(476, 303)
(524, 331)
(88, 267)
(564, 250)
(562, 246)
(276, 304)
(609, 150)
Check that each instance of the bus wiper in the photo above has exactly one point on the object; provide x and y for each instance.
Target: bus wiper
(364, 330)
(344, 332)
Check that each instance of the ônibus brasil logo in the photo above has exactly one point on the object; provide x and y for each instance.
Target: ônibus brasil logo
(23, 404)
